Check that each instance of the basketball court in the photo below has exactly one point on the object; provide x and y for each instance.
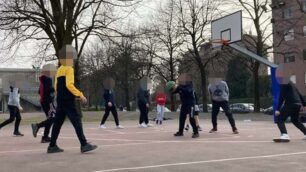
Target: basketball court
(156, 149)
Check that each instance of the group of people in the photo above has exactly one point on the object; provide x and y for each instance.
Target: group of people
(68, 96)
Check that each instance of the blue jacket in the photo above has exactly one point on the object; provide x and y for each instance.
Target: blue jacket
(187, 95)
(109, 97)
(143, 96)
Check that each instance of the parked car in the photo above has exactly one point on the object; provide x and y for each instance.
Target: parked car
(268, 111)
(209, 108)
(242, 107)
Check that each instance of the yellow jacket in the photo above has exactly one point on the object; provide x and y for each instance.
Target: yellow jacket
(64, 84)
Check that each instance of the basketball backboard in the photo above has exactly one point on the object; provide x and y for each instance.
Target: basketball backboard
(227, 28)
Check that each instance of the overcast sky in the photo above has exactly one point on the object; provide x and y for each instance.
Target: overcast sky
(23, 59)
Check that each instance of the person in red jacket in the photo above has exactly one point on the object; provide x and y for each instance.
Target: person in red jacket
(161, 100)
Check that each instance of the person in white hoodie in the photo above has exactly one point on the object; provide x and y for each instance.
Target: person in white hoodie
(14, 108)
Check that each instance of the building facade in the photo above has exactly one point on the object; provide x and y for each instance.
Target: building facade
(27, 80)
(289, 38)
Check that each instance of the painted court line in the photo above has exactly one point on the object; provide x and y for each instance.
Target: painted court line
(203, 162)
(130, 144)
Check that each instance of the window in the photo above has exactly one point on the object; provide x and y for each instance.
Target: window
(304, 30)
(289, 35)
(304, 54)
(293, 78)
(304, 6)
(287, 13)
(288, 58)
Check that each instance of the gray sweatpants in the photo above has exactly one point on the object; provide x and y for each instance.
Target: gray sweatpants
(160, 112)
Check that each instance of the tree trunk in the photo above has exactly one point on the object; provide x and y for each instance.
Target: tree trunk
(204, 88)
(127, 97)
(77, 83)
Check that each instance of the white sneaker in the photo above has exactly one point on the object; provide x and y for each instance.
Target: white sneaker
(149, 125)
(119, 127)
(143, 125)
(284, 137)
(102, 126)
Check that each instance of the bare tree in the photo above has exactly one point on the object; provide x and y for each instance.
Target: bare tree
(58, 22)
(169, 38)
(194, 19)
(256, 10)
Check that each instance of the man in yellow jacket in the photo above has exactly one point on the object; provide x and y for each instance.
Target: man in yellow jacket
(66, 95)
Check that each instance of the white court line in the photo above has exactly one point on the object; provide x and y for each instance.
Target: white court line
(208, 140)
(132, 144)
(203, 162)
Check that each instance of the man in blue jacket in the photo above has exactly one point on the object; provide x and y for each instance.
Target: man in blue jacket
(143, 97)
(110, 106)
(186, 91)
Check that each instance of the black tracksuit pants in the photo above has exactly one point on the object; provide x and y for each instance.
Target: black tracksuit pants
(48, 122)
(215, 111)
(64, 109)
(14, 114)
(114, 112)
(187, 110)
(144, 111)
(292, 111)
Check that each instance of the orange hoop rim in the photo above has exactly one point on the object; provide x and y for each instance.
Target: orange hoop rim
(220, 41)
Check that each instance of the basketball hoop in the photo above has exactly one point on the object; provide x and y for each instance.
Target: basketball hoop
(221, 42)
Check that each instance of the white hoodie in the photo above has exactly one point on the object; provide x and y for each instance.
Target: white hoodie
(14, 98)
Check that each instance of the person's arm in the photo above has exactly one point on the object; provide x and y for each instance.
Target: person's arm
(281, 97)
(196, 98)
(70, 83)
(301, 97)
(226, 89)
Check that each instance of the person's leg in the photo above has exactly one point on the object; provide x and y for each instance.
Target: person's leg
(146, 115)
(162, 114)
(58, 122)
(225, 107)
(141, 116)
(115, 115)
(75, 119)
(158, 113)
(193, 124)
(214, 114)
(183, 115)
(17, 121)
(48, 122)
(295, 119)
(12, 117)
(106, 114)
(281, 120)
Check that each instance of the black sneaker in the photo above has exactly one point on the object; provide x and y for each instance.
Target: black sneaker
(213, 130)
(195, 135)
(187, 127)
(160, 122)
(178, 134)
(157, 122)
(34, 129)
(18, 134)
(54, 149)
(235, 131)
(45, 140)
(88, 147)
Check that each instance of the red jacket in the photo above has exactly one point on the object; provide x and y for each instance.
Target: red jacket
(161, 99)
